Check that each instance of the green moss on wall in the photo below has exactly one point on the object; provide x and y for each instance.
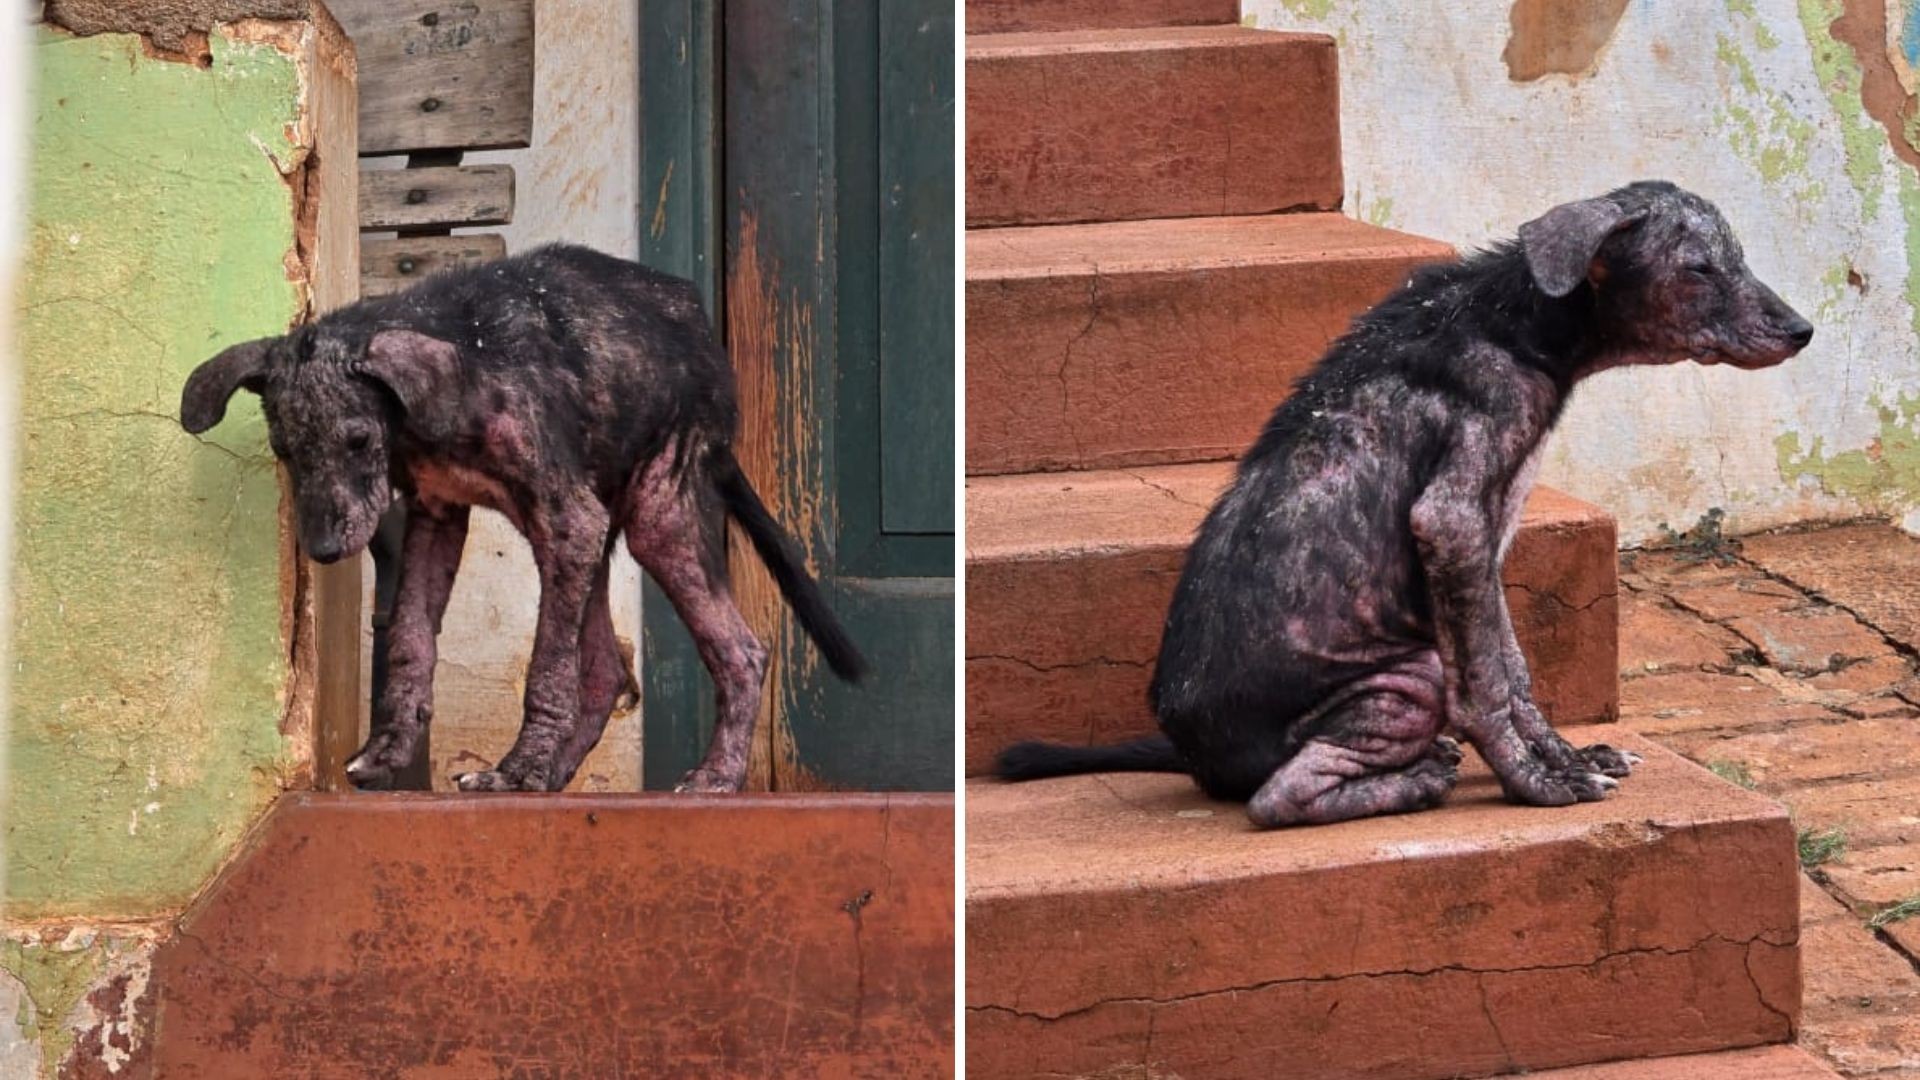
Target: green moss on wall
(150, 658)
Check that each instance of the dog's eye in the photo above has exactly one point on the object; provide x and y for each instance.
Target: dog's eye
(1704, 269)
(358, 441)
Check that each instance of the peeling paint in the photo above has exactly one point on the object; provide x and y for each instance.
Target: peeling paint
(1884, 475)
(1558, 37)
(82, 1004)
(769, 336)
(1840, 79)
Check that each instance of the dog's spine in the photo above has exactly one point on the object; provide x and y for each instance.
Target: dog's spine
(1040, 760)
(789, 571)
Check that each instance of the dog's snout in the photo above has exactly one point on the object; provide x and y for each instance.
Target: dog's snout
(1797, 330)
(323, 550)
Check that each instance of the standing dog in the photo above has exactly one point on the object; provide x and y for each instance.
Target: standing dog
(579, 395)
(1342, 603)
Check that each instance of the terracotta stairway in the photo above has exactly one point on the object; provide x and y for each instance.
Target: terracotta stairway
(1155, 252)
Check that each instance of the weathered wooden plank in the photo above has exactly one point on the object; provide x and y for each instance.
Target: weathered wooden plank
(436, 74)
(679, 234)
(916, 314)
(390, 265)
(409, 198)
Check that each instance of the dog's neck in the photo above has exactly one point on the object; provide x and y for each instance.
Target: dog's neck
(1563, 337)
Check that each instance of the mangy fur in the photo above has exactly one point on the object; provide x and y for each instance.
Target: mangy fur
(1341, 606)
(580, 396)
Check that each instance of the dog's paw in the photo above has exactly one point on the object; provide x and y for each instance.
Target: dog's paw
(1607, 761)
(377, 764)
(495, 780)
(710, 781)
(1557, 787)
(1445, 750)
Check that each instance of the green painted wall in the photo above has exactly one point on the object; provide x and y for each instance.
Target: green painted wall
(150, 658)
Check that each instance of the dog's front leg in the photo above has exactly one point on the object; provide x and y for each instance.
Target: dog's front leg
(1458, 543)
(1534, 726)
(569, 541)
(430, 558)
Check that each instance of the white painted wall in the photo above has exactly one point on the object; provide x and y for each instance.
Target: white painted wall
(578, 182)
(1439, 140)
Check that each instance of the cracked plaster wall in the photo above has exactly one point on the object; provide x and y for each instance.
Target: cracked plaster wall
(1796, 116)
(150, 586)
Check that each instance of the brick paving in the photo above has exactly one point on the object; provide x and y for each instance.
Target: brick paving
(1790, 663)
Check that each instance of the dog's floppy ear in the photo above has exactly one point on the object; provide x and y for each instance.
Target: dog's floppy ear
(417, 368)
(1561, 243)
(239, 367)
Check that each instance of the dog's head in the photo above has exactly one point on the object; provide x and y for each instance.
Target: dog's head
(1669, 280)
(332, 410)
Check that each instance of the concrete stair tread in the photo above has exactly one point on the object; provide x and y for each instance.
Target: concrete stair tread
(1042, 515)
(685, 933)
(1148, 122)
(1005, 16)
(1475, 939)
(1185, 244)
(1129, 39)
(1142, 831)
(1759, 1063)
(1084, 340)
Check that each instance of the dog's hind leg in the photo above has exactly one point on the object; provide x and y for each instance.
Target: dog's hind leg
(677, 545)
(1378, 751)
(430, 558)
(604, 680)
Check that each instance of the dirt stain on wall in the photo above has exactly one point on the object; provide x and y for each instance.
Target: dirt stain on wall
(1558, 37)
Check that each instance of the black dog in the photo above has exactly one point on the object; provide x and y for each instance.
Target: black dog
(1342, 603)
(579, 395)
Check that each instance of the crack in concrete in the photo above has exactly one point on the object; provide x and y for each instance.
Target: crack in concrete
(1066, 360)
(1765, 937)
(1096, 661)
(1559, 600)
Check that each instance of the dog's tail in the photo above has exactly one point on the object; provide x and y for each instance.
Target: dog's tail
(1039, 760)
(788, 569)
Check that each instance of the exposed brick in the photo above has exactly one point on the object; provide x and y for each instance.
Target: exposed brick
(1810, 640)
(1812, 753)
(1697, 701)
(1877, 877)
(1853, 566)
(1656, 638)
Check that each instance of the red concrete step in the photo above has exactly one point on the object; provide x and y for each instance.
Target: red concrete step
(1147, 342)
(1105, 125)
(571, 935)
(1011, 16)
(1069, 576)
(1124, 924)
(1759, 1063)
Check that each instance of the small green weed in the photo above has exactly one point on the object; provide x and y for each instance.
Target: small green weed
(1702, 542)
(1905, 909)
(1819, 847)
(1732, 772)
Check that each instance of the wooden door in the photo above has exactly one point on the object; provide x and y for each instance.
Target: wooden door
(798, 163)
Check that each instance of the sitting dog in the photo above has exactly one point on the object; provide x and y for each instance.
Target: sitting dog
(1341, 606)
(580, 396)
